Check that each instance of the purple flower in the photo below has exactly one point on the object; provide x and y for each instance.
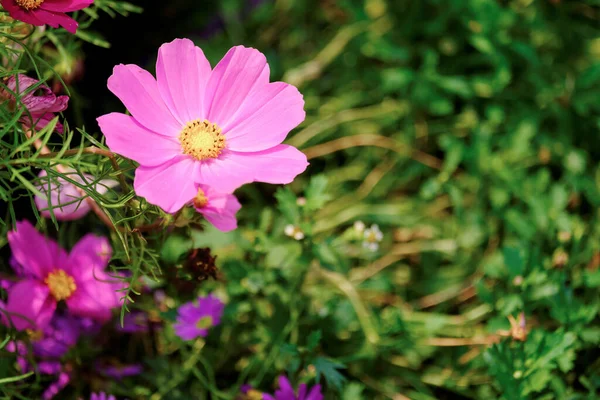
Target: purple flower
(249, 393)
(40, 108)
(102, 396)
(48, 346)
(119, 372)
(58, 337)
(286, 392)
(63, 380)
(193, 319)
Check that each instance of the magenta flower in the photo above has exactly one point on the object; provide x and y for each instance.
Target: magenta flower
(192, 125)
(50, 275)
(218, 208)
(286, 392)
(194, 318)
(39, 107)
(65, 200)
(63, 380)
(41, 12)
(102, 396)
(48, 347)
(57, 338)
(119, 372)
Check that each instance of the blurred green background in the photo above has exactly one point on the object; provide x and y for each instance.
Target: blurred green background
(468, 131)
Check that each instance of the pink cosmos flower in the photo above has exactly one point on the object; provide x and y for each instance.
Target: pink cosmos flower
(41, 12)
(218, 208)
(40, 102)
(195, 318)
(192, 125)
(65, 200)
(50, 275)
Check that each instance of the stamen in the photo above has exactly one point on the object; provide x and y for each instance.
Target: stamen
(61, 285)
(204, 322)
(29, 4)
(34, 335)
(200, 200)
(202, 140)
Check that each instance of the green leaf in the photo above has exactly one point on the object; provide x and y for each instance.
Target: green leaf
(329, 369)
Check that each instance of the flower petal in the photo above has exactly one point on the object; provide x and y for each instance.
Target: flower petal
(277, 165)
(54, 19)
(96, 294)
(95, 247)
(169, 186)
(30, 305)
(138, 91)
(221, 174)
(285, 390)
(220, 210)
(63, 197)
(265, 118)
(315, 393)
(66, 5)
(125, 136)
(182, 72)
(47, 255)
(20, 14)
(232, 80)
(63, 380)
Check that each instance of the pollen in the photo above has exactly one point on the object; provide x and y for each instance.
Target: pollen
(61, 284)
(200, 200)
(202, 140)
(29, 4)
(34, 334)
(204, 322)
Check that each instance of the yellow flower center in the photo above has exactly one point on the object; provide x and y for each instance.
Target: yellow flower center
(254, 394)
(202, 139)
(61, 285)
(200, 200)
(204, 322)
(34, 335)
(29, 4)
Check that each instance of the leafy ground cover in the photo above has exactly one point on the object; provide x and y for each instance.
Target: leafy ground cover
(442, 244)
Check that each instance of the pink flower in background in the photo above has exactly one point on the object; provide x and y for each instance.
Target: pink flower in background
(65, 199)
(218, 208)
(50, 275)
(220, 127)
(119, 372)
(286, 392)
(39, 107)
(41, 12)
(195, 318)
(63, 380)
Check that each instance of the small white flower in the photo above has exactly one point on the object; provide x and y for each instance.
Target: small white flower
(371, 246)
(294, 232)
(301, 201)
(372, 237)
(289, 230)
(299, 235)
(359, 226)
